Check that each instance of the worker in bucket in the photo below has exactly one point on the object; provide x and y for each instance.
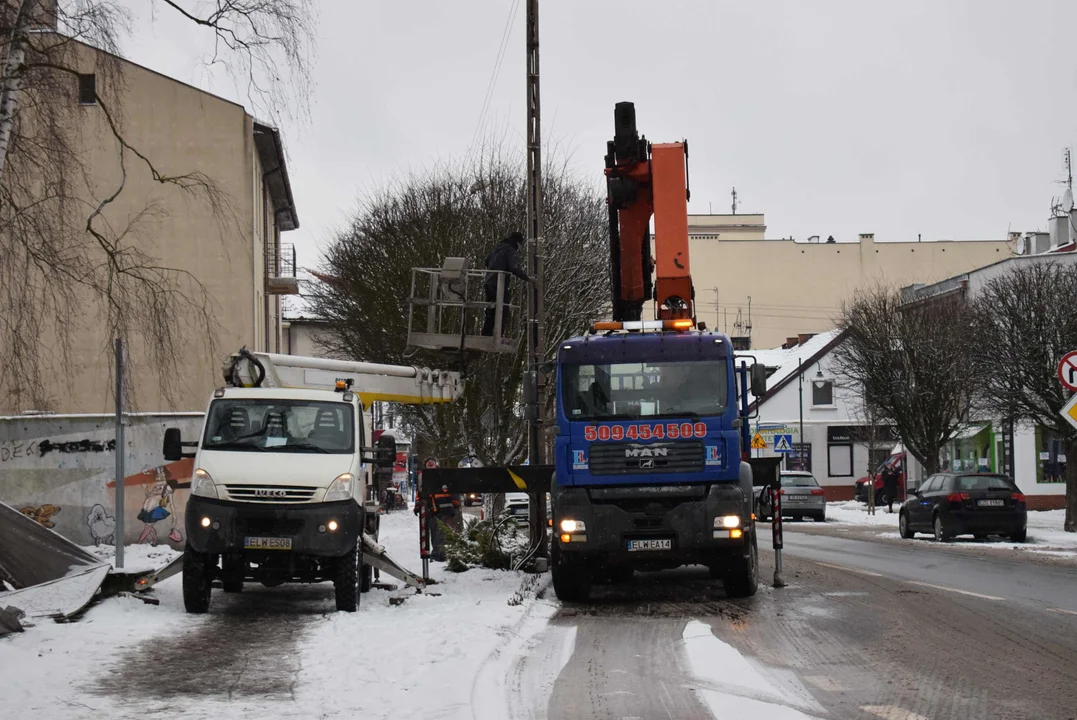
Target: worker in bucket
(504, 258)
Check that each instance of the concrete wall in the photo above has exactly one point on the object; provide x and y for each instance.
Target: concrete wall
(60, 470)
(799, 287)
(182, 130)
(301, 338)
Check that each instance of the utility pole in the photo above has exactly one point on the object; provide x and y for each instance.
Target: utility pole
(120, 446)
(535, 382)
(800, 377)
(717, 312)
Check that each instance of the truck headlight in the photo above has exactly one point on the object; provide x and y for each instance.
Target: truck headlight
(341, 488)
(571, 526)
(727, 521)
(202, 484)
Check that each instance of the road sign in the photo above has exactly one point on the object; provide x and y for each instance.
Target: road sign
(1069, 411)
(1067, 371)
(783, 443)
(758, 443)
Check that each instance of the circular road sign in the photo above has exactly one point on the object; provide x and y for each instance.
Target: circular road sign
(1067, 371)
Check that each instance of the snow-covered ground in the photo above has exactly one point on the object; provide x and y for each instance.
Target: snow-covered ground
(434, 652)
(734, 687)
(1045, 533)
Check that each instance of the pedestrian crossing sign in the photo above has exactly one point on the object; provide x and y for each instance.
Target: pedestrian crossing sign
(783, 443)
(758, 443)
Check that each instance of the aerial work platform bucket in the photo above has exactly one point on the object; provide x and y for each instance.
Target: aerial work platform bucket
(447, 306)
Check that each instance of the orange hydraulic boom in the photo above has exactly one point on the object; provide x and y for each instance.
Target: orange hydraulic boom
(644, 180)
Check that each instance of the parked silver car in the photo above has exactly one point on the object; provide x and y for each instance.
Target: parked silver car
(802, 496)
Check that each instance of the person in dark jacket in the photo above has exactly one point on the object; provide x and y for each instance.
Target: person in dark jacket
(891, 475)
(504, 258)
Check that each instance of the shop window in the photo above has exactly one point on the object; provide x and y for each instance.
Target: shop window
(839, 460)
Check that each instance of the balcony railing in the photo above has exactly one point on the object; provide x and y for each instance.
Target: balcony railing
(280, 270)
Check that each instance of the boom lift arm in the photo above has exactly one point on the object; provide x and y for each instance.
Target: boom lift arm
(644, 180)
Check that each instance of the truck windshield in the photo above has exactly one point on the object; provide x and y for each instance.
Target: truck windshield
(281, 426)
(635, 390)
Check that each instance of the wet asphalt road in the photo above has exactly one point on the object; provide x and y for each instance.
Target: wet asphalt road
(868, 628)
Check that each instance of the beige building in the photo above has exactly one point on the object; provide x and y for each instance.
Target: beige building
(798, 287)
(237, 255)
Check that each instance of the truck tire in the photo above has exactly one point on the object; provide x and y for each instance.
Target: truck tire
(571, 580)
(346, 580)
(367, 578)
(741, 578)
(197, 577)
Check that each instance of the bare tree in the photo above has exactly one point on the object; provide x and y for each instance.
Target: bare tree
(461, 211)
(65, 260)
(1023, 328)
(912, 363)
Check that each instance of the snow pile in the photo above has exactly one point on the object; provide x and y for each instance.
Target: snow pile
(136, 558)
(852, 512)
(734, 687)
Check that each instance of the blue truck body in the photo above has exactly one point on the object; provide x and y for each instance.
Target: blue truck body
(648, 459)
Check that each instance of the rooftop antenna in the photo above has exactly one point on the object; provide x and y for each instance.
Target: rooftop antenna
(749, 326)
(1067, 197)
(734, 193)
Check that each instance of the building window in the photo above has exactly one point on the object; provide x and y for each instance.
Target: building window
(839, 460)
(822, 392)
(88, 89)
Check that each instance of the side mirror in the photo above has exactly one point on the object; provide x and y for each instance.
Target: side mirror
(173, 445)
(759, 379)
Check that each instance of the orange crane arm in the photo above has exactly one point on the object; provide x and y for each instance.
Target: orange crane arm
(644, 180)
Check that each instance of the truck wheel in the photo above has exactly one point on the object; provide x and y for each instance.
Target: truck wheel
(367, 579)
(742, 574)
(571, 580)
(197, 577)
(346, 580)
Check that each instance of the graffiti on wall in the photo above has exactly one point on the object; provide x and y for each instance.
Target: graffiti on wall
(102, 525)
(160, 509)
(41, 514)
(75, 446)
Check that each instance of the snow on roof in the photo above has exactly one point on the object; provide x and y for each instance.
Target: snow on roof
(787, 361)
(297, 307)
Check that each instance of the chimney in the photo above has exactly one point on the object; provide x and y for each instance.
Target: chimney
(867, 237)
(790, 342)
(804, 337)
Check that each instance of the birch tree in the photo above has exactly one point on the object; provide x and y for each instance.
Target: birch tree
(66, 260)
(457, 210)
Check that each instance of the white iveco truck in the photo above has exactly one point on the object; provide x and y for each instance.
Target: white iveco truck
(282, 486)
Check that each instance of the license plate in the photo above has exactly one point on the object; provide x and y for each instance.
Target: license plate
(637, 545)
(990, 503)
(267, 543)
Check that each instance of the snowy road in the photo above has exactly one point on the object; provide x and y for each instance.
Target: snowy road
(866, 629)
(870, 627)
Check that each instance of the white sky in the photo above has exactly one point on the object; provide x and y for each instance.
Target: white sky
(837, 117)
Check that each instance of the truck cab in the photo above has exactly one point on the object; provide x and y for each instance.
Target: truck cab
(282, 488)
(649, 472)
(278, 493)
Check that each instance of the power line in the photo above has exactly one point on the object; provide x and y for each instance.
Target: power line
(494, 74)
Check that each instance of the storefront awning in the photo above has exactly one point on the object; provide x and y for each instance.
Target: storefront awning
(969, 432)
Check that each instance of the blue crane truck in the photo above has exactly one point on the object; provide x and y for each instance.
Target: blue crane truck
(650, 466)
(650, 469)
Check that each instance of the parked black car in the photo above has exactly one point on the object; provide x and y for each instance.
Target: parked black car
(952, 504)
